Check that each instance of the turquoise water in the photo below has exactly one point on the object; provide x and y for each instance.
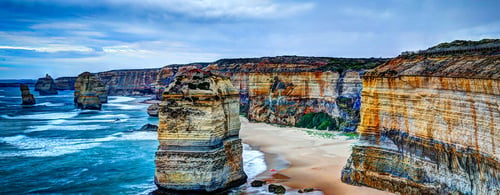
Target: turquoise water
(51, 147)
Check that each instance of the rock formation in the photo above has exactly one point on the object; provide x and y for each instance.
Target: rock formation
(282, 89)
(46, 86)
(129, 82)
(27, 97)
(200, 149)
(65, 83)
(90, 92)
(153, 109)
(430, 123)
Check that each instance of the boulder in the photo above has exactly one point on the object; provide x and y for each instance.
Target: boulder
(257, 183)
(277, 189)
(90, 92)
(148, 127)
(200, 150)
(153, 109)
(46, 86)
(27, 97)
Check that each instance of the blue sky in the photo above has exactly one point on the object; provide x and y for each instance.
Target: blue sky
(65, 38)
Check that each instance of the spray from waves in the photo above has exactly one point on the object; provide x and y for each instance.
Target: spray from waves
(49, 104)
(119, 99)
(136, 135)
(108, 116)
(46, 116)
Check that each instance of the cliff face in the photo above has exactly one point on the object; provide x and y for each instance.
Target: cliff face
(27, 97)
(430, 124)
(129, 82)
(198, 133)
(65, 83)
(90, 92)
(46, 86)
(281, 90)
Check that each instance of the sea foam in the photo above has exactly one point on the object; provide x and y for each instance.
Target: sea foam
(45, 116)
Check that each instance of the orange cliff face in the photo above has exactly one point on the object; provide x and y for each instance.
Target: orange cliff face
(430, 124)
(281, 90)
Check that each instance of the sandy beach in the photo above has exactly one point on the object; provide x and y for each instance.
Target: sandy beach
(315, 162)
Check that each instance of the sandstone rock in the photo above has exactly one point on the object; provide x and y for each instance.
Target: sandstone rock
(153, 109)
(129, 82)
(429, 125)
(27, 97)
(46, 86)
(89, 92)
(257, 183)
(65, 83)
(200, 150)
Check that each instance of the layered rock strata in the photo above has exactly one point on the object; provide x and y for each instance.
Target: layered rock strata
(27, 97)
(46, 86)
(90, 92)
(282, 89)
(430, 123)
(65, 83)
(200, 150)
(129, 82)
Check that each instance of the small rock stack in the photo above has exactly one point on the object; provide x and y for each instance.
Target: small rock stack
(90, 92)
(200, 150)
(46, 86)
(28, 98)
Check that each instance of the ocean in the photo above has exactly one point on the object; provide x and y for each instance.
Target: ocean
(51, 147)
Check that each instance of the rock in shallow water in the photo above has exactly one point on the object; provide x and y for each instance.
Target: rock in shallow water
(27, 97)
(153, 109)
(200, 149)
(89, 93)
(46, 86)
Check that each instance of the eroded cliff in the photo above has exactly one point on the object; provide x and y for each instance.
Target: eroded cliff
(430, 124)
(46, 86)
(129, 82)
(198, 131)
(282, 89)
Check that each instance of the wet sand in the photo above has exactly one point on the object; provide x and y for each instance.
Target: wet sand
(312, 161)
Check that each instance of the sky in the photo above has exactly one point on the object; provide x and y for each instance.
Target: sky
(65, 38)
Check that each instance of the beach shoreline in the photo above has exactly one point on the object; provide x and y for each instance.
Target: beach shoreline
(307, 161)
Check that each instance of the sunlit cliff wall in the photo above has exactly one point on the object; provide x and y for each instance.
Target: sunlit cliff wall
(129, 82)
(282, 89)
(430, 124)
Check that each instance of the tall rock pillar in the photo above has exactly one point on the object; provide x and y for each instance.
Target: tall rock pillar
(90, 92)
(200, 149)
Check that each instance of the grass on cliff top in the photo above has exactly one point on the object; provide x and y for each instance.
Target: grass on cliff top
(320, 121)
(342, 64)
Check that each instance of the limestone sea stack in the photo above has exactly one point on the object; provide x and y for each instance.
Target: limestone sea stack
(46, 86)
(65, 83)
(200, 150)
(27, 97)
(153, 109)
(430, 122)
(90, 92)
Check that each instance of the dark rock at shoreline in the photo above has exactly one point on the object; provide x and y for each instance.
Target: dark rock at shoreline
(257, 183)
(28, 98)
(277, 189)
(89, 93)
(153, 109)
(46, 86)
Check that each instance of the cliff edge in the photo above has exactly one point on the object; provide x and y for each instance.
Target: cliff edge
(430, 123)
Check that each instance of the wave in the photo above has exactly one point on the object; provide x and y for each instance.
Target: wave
(109, 116)
(253, 161)
(128, 106)
(119, 99)
(44, 147)
(66, 128)
(137, 135)
(46, 116)
(50, 104)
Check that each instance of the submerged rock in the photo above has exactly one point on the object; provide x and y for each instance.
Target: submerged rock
(28, 98)
(46, 86)
(89, 93)
(148, 127)
(200, 150)
(153, 109)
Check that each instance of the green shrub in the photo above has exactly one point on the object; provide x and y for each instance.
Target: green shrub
(320, 120)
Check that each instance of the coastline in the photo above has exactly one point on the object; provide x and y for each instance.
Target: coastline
(308, 161)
